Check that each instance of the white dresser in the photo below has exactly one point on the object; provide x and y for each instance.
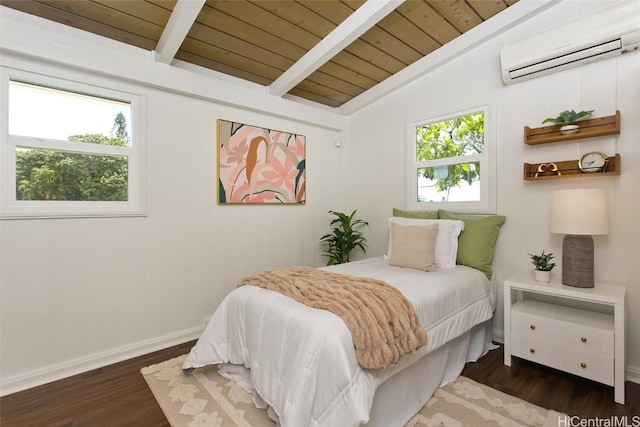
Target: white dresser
(588, 341)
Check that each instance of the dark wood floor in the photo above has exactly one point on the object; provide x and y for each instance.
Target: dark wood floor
(117, 395)
(114, 396)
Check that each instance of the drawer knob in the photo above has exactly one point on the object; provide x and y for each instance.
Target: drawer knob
(583, 365)
(583, 339)
(532, 350)
(532, 327)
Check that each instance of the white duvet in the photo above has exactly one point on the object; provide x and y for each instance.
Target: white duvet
(301, 359)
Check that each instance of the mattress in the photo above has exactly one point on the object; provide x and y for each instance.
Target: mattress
(301, 359)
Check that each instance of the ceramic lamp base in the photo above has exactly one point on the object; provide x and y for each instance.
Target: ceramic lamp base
(577, 261)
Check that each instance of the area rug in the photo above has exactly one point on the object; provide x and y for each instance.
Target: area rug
(204, 399)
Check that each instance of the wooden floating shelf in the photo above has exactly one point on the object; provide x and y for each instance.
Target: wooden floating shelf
(601, 126)
(568, 169)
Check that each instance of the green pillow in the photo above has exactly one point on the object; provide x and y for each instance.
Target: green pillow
(477, 242)
(415, 214)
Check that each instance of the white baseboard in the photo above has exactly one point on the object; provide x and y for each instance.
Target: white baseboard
(633, 374)
(497, 336)
(77, 366)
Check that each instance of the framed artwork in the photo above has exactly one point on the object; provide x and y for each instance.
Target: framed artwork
(260, 166)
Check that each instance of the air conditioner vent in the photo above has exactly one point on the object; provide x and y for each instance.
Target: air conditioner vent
(601, 34)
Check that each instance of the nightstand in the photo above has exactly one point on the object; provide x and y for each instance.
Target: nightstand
(576, 330)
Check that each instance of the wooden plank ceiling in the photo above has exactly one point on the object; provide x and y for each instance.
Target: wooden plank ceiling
(259, 40)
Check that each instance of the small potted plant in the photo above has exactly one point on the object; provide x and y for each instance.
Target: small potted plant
(344, 238)
(568, 119)
(542, 263)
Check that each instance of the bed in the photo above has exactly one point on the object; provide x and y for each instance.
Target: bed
(299, 362)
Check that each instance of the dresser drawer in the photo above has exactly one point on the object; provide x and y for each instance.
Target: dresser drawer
(585, 339)
(588, 365)
(531, 325)
(533, 349)
(572, 340)
(526, 322)
(585, 364)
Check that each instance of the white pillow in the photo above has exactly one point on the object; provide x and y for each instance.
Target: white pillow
(414, 246)
(446, 241)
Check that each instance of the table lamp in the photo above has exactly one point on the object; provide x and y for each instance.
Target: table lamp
(578, 214)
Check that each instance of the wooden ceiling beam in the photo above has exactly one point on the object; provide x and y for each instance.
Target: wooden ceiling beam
(180, 22)
(344, 34)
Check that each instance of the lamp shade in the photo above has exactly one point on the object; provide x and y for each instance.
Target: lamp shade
(580, 212)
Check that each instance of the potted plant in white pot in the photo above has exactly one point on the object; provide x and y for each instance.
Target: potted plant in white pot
(568, 119)
(542, 263)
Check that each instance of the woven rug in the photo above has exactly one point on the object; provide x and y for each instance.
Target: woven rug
(204, 398)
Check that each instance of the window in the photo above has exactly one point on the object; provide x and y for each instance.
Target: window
(70, 149)
(449, 163)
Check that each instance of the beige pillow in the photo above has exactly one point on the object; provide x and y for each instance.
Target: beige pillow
(413, 246)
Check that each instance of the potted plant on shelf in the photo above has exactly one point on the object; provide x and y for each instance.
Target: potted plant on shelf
(344, 238)
(568, 119)
(542, 263)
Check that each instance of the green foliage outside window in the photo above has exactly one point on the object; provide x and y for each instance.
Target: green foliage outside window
(43, 174)
(458, 137)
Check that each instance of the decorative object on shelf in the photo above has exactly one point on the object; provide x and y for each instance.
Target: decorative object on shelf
(589, 128)
(568, 119)
(594, 161)
(570, 169)
(547, 169)
(542, 263)
(260, 166)
(578, 214)
(542, 276)
(569, 129)
(344, 238)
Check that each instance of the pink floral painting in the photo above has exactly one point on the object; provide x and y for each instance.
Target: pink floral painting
(258, 165)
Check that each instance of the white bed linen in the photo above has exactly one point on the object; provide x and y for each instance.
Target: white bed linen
(402, 396)
(301, 359)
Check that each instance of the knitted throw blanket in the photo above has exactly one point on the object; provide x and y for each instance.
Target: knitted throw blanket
(383, 323)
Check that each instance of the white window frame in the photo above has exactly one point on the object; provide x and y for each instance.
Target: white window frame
(135, 205)
(487, 202)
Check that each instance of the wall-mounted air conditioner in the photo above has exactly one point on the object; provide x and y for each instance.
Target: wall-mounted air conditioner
(600, 34)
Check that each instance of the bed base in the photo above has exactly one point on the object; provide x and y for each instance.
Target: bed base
(399, 398)
(403, 395)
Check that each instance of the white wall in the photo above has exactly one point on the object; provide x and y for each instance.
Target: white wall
(81, 293)
(378, 135)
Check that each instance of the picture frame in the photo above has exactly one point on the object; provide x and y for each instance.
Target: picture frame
(257, 165)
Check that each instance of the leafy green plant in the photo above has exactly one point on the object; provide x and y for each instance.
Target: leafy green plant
(457, 137)
(344, 238)
(44, 174)
(542, 262)
(568, 117)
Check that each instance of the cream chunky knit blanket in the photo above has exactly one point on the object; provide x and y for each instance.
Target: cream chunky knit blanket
(383, 323)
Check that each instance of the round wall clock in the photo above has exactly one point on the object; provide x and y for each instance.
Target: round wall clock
(593, 161)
